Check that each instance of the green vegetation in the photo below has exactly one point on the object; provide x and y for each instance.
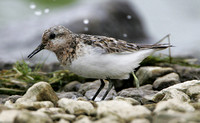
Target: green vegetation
(52, 3)
(156, 60)
(18, 79)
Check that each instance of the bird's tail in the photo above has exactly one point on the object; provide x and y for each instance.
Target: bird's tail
(158, 44)
(155, 46)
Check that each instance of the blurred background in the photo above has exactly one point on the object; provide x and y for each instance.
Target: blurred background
(22, 23)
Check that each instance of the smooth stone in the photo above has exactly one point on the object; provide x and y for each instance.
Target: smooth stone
(142, 95)
(147, 87)
(184, 86)
(84, 119)
(90, 93)
(122, 109)
(110, 119)
(72, 86)
(29, 105)
(41, 91)
(147, 75)
(68, 117)
(128, 100)
(174, 104)
(140, 121)
(194, 92)
(76, 107)
(53, 110)
(166, 81)
(187, 73)
(3, 98)
(32, 117)
(13, 98)
(3, 107)
(171, 94)
(180, 88)
(23, 116)
(69, 95)
(172, 116)
(8, 116)
(63, 121)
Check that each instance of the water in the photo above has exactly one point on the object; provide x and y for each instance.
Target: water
(180, 18)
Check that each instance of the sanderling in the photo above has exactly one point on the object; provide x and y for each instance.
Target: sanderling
(92, 56)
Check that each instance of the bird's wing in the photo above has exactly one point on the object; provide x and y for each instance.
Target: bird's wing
(112, 45)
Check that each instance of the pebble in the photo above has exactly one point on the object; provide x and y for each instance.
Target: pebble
(122, 109)
(148, 74)
(72, 86)
(76, 107)
(70, 95)
(142, 95)
(68, 117)
(41, 91)
(171, 94)
(166, 81)
(194, 92)
(175, 105)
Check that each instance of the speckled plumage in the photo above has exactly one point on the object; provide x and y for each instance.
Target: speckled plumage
(94, 56)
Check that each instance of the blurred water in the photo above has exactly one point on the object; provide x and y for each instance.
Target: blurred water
(180, 18)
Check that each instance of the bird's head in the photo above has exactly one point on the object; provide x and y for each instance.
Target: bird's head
(53, 39)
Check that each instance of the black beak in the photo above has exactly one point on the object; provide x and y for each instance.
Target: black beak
(38, 49)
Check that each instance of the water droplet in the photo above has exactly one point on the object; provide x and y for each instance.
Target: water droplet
(32, 6)
(129, 17)
(86, 28)
(86, 21)
(125, 35)
(46, 10)
(38, 12)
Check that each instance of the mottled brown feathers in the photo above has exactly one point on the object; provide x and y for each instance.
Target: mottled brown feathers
(112, 45)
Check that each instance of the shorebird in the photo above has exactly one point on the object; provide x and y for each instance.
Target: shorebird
(93, 56)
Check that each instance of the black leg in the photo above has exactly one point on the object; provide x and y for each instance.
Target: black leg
(100, 88)
(108, 90)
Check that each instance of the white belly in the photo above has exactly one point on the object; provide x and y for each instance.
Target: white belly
(113, 66)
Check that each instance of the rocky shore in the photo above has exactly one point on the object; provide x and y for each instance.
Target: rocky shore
(166, 95)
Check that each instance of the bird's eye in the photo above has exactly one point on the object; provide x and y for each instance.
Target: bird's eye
(52, 36)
